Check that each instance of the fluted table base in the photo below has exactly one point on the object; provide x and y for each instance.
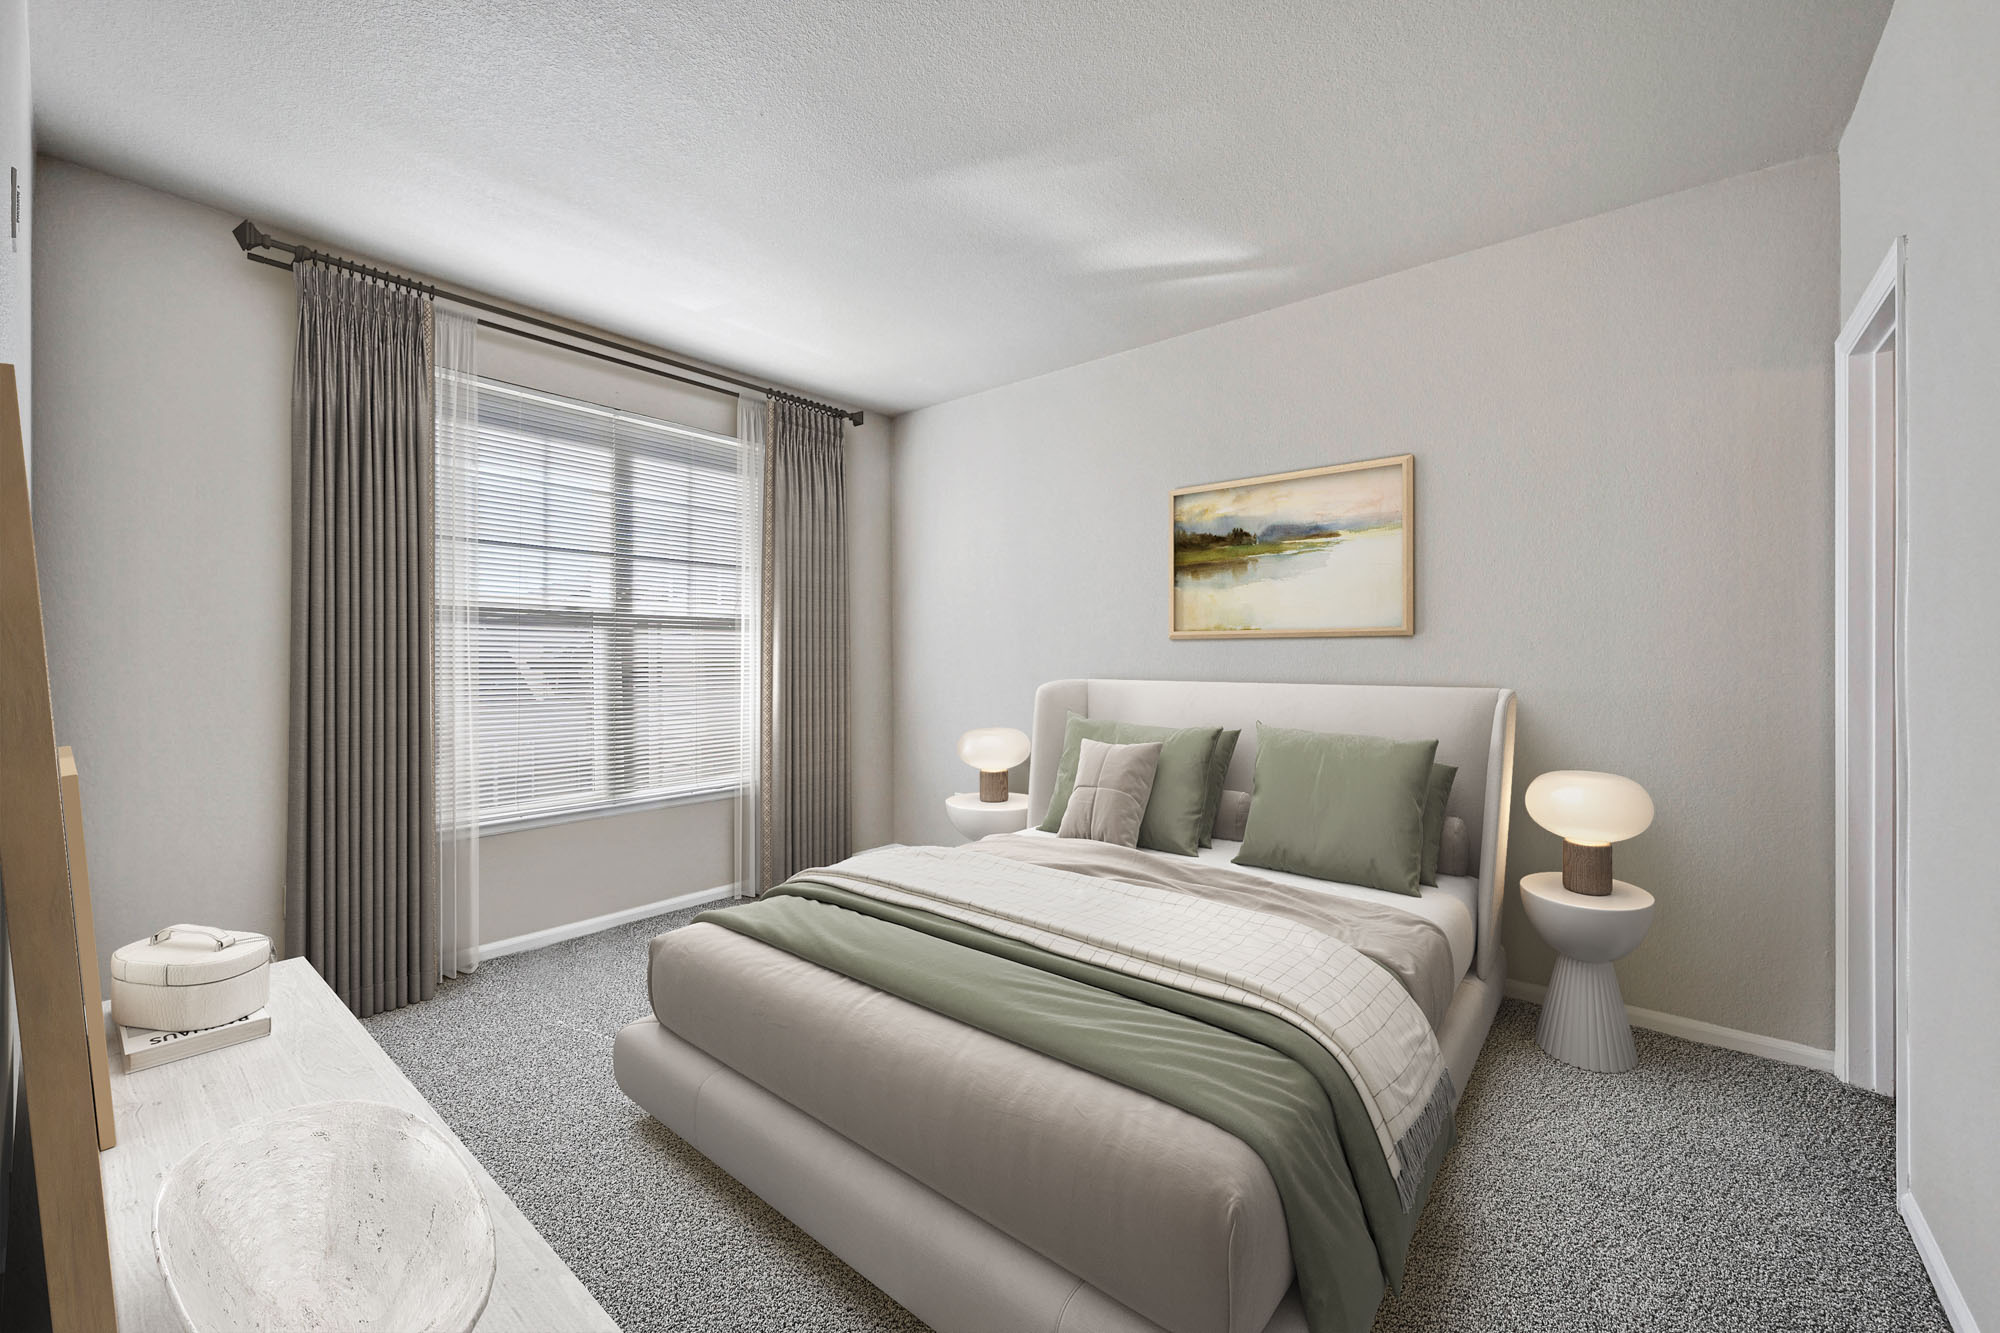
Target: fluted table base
(1583, 1018)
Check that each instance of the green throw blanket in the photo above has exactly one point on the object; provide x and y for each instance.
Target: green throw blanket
(1244, 1070)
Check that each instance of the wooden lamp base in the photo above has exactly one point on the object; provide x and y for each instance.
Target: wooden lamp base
(1586, 868)
(993, 787)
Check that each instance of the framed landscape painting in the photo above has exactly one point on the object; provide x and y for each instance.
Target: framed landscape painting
(1327, 551)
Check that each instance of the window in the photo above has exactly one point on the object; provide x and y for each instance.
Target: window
(605, 631)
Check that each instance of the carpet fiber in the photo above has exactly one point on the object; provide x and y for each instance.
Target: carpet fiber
(1703, 1191)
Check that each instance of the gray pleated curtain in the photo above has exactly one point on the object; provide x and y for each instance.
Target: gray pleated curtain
(802, 750)
(360, 882)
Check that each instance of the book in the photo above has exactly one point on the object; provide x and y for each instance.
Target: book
(144, 1047)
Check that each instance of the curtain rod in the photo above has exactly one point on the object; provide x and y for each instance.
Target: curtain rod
(251, 238)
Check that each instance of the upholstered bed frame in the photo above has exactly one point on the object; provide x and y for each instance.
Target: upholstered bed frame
(944, 1264)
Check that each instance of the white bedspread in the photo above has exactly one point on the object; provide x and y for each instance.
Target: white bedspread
(1451, 905)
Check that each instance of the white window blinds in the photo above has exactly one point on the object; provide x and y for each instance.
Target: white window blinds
(607, 637)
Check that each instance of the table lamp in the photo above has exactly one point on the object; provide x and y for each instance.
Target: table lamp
(1589, 811)
(993, 750)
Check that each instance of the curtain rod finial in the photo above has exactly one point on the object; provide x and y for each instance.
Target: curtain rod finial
(248, 237)
(856, 417)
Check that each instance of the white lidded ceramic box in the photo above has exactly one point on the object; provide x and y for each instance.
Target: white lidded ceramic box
(189, 977)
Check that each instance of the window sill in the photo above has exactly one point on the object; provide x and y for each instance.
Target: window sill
(525, 822)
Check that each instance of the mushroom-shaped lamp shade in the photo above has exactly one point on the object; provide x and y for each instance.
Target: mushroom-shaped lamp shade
(1590, 811)
(993, 750)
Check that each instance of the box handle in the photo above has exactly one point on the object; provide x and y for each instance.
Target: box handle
(223, 939)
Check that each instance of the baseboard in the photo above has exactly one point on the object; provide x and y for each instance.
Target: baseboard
(577, 929)
(1948, 1294)
(1708, 1034)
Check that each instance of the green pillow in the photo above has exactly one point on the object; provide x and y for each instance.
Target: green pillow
(1440, 792)
(1345, 808)
(1218, 769)
(1179, 799)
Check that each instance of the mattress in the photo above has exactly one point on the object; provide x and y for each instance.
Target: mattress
(1451, 904)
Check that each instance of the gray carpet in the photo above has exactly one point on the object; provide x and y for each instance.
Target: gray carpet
(1703, 1191)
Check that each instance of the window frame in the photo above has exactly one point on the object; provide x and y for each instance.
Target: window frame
(619, 622)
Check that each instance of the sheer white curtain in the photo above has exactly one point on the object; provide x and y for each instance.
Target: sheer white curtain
(455, 337)
(752, 411)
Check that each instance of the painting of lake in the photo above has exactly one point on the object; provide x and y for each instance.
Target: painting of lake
(1327, 551)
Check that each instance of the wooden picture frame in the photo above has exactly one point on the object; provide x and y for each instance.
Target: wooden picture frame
(42, 927)
(1264, 557)
(86, 945)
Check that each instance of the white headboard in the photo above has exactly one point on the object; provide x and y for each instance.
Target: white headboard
(1473, 726)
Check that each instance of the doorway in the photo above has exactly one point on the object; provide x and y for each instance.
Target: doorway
(1868, 732)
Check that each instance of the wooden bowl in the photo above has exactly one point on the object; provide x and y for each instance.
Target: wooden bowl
(339, 1215)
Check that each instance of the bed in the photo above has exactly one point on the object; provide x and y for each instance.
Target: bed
(882, 1091)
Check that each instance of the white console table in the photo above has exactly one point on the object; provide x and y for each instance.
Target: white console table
(317, 1051)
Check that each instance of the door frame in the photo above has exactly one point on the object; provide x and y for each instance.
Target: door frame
(1870, 364)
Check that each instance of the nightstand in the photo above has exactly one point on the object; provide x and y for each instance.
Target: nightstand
(1583, 1015)
(977, 819)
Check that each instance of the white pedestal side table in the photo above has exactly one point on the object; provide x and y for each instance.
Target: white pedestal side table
(977, 819)
(1583, 1015)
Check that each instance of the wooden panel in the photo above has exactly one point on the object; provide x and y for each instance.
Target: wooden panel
(41, 926)
(86, 944)
(317, 1051)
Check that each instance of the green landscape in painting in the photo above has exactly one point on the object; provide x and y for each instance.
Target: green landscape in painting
(1313, 553)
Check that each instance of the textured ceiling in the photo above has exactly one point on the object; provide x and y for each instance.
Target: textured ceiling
(898, 203)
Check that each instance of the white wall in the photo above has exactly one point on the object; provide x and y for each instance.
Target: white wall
(871, 762)
(163, 518)
(534, 879)
(1623, 441)
(163, 502)
(17, 151)
(1919, 159)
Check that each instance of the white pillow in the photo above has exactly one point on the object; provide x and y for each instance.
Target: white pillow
(1109, 799)
(1232, 816)
(1454, 848)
